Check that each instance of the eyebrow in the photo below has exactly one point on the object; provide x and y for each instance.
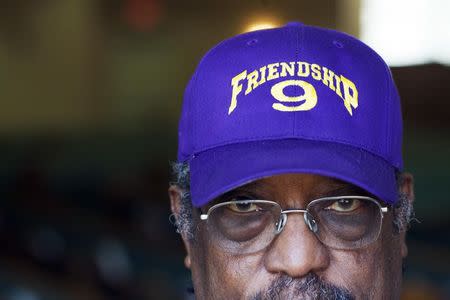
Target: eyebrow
(347, 190)
(248, 188)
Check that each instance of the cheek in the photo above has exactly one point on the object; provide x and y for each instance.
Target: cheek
(373, 272)
(358, 271)
(219, 275)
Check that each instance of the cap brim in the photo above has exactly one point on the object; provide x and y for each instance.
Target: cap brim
(221, 169)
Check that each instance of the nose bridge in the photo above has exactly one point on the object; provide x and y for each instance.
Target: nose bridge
(284, 217)
(296, 250)
(289, 211)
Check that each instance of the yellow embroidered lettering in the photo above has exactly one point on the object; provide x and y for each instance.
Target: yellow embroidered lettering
(315, 68)
(252, 81)
(262, 70)
(272, 71)
(303, 69)
(287, 68)
(343, 87)
(328, 78)
(237, 88)
(350, 94)
(338, 85)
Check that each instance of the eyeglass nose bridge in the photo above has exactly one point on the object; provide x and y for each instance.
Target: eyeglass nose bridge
(309, 220)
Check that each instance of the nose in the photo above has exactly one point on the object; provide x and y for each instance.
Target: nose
(296, 251)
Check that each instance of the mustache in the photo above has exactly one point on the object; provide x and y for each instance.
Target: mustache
(309, 287)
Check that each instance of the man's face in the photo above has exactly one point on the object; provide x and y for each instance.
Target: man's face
(295, 264)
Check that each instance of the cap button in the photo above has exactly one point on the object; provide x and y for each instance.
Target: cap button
(294, 23)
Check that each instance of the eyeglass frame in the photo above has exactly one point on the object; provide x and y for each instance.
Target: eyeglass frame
(311, 223)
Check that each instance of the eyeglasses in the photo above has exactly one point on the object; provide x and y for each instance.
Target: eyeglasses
(248, 226)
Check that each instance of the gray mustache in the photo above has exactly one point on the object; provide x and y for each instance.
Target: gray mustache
(308, 287)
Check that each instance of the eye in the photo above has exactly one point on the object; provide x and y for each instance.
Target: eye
(244, 207)
(345, 205)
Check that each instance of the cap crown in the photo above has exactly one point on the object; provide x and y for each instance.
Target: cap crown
(296, 81)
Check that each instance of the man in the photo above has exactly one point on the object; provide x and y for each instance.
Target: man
(289, 181)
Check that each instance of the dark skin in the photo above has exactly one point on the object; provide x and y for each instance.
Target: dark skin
(374, 271)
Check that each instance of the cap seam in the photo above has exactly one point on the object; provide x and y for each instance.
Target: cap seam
(387, 110)
(297, 56)
(192, 108)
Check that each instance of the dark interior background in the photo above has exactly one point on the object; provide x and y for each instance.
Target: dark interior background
(90, 95)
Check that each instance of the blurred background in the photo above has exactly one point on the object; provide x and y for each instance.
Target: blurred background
(90, 95)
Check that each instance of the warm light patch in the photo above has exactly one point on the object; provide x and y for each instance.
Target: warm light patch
(259, 26)
(260, 22)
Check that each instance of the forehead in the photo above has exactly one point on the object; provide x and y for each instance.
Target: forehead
(298, 180)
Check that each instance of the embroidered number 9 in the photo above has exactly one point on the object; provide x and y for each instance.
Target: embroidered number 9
(308, 99)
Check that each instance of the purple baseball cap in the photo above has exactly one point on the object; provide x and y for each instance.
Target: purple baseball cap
(294, 99)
